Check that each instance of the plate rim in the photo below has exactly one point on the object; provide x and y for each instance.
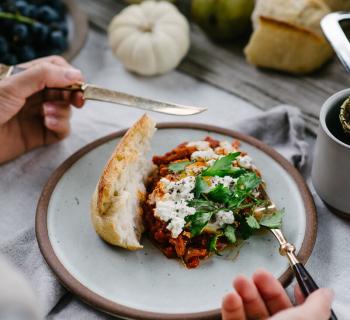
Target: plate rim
(111, 307)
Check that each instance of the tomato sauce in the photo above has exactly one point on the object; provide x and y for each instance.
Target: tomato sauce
(191, 250)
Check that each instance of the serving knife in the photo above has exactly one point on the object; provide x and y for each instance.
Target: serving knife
(92, 92)
(304, 279)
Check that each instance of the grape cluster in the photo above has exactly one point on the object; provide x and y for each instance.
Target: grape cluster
(31, 29)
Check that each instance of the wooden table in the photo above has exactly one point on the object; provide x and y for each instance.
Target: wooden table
(225, 67)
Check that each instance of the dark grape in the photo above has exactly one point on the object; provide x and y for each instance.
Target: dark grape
(10, 59)
(3, 46)
(31, 11)
(58, 40)
(26, 53)
(22, 7)
(40, 32)
(47, 14)
(20, 32)
(22, 41)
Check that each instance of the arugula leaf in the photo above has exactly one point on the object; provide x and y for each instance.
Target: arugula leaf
(213, 241)
(200, 186)
(252, 222)
(198, 221)
(244, 230)
(223, 167)
(202, 205)
(178, 166)
(235, 202)
(247, 182)
(230, 234)
(272, 221)
(220, 194)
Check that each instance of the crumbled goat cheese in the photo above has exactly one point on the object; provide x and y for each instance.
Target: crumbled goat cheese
(176, 226)
(196, 169)
(226, 181)
(177, 190)
(224, 217)
(227, 146)
(245, 162)
(204, 155)
(200, 145)
(173, 207)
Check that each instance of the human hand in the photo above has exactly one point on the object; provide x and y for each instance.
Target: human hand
(32, 115)
(263, 297)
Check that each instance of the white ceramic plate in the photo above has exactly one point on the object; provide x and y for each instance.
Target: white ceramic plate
(145, 284)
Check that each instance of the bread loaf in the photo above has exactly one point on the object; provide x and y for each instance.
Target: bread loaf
(116, 203)
(338, 5)
(287, 36)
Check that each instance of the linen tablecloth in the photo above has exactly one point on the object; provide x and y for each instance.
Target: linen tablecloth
(22, 180)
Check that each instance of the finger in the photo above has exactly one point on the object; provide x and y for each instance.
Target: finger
(254, 305)
(232, 307)
(59, 127)
(316, 307)
(56, 95)
(40, 76)
(77, 99)
(57, 60)
(57, 109)
(271, 291)
(318, 304)
(299, 296)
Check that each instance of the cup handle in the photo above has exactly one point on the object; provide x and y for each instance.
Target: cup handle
(334, 33)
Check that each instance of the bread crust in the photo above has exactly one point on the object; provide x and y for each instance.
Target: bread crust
(286, 47)
(288, 36)
(115, 190)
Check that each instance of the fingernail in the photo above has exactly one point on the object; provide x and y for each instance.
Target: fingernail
(51, 121)
(49, 108)
(73, 74)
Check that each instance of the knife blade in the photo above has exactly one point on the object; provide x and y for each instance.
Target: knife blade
(92, 92)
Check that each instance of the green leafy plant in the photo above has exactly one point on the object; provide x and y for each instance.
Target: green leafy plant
(223, 167)
(272, 221)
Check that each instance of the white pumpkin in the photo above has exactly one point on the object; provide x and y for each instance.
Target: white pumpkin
(150, 38)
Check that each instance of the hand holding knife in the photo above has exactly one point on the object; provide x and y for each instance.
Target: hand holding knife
(92, 92)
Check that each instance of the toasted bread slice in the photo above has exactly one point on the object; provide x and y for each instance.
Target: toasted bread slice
(116, 203)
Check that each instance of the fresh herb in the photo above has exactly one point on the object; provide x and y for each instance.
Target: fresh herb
(223, 167)
(246, 183)
(220, 194)
(252, 222)
(200, 186)
(178, 166)
(198, 221)
(272, 221)
(230, 233)
(244, 231)
(203, 205)
(213, 242)
(243, 188)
